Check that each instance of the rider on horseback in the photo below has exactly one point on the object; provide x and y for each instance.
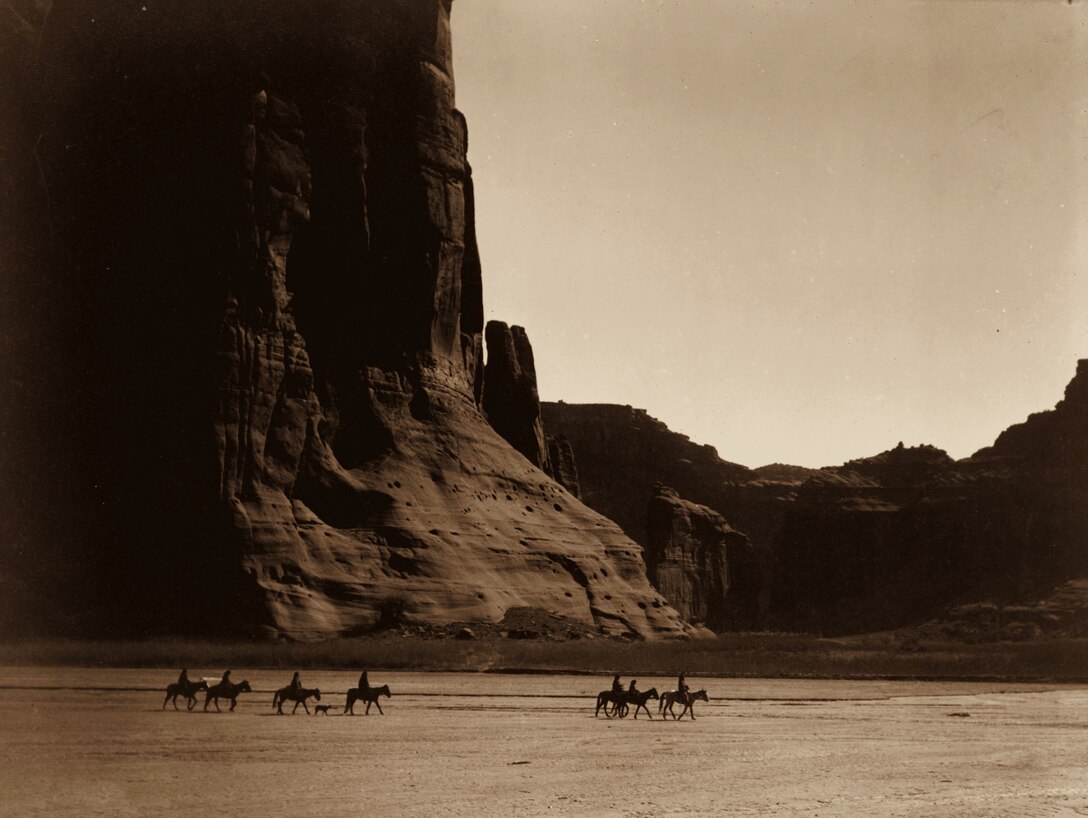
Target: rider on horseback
(682, 686)
(296, 683)
(183, 679)
(364, 683)
(617, 686)
(632, 690)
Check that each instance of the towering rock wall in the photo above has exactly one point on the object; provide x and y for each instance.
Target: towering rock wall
(260, 214)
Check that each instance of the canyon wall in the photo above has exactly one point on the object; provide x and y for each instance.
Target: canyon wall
(881, 542)
(247, 246)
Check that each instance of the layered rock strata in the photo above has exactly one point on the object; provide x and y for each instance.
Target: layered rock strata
(622, 454)
(261, 214)
(700, 563)
(880, 542)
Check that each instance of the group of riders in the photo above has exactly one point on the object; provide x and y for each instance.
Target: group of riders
(617, 701)
(632, 690)
(618, 697)
(293, 687)
(294, 691)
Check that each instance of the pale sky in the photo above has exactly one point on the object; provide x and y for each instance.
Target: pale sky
(799, 232)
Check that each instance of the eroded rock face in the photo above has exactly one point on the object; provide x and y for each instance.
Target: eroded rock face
(564, 467)
(700, 564)
(511, 401)
(263, 214)
(880, 542)
(622, 454)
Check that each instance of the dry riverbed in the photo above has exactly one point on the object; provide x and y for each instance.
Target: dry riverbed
(77, 741)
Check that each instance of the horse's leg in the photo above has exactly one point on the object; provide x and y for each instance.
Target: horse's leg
(304, 707)
(233, 702)
(691, 710)
(164, 701)
(380, 711)
(216, 702)
(192, 702)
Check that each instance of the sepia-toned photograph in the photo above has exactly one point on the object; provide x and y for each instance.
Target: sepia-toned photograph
(604, 408)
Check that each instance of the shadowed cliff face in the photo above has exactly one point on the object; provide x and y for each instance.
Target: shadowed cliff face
(700, 564)
(259, 218)
(881, 542)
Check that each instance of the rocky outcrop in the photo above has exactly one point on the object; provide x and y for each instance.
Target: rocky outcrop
(260, 214)
(622, 454)
(705, 568)
(511, 401)
(564, 468)
(880, 542)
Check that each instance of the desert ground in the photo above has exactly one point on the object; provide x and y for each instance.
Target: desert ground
(78, 741)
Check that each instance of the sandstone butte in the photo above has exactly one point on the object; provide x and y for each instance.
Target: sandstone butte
(249, 278)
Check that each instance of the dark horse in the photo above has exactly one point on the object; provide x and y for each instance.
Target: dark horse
(187, 690)
(613, 702)
(671, 697)
(226, 690)
(369, 695)
(621, 702)
(297, 695)
(639, 699)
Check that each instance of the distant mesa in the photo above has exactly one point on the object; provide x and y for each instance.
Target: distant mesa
(880, 542)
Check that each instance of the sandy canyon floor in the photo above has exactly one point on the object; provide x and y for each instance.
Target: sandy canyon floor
(95, 742)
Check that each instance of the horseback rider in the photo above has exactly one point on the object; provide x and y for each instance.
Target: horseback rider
(632, 690)
(364, 683)
(226, 678)
(183, 679)
(682, 686)
(296, 683)
(617, 686)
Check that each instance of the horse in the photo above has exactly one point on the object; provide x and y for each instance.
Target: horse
(189, 691)
(297, 695)
(366, 694)
(639, 698)
(226, 690)
(671, 697)
(618, 701)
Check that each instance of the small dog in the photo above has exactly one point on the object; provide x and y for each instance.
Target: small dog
(322, 708)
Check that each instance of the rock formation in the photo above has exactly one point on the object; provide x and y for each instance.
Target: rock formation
(700, 564)
(259, 219)
(623, 453)
(511, 401)
(879, 542)
(564, 468)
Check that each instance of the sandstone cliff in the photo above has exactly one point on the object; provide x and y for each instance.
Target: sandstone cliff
(511, 401)
(260, 215)
(623, 453)
(701, 565)
(879, 542)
